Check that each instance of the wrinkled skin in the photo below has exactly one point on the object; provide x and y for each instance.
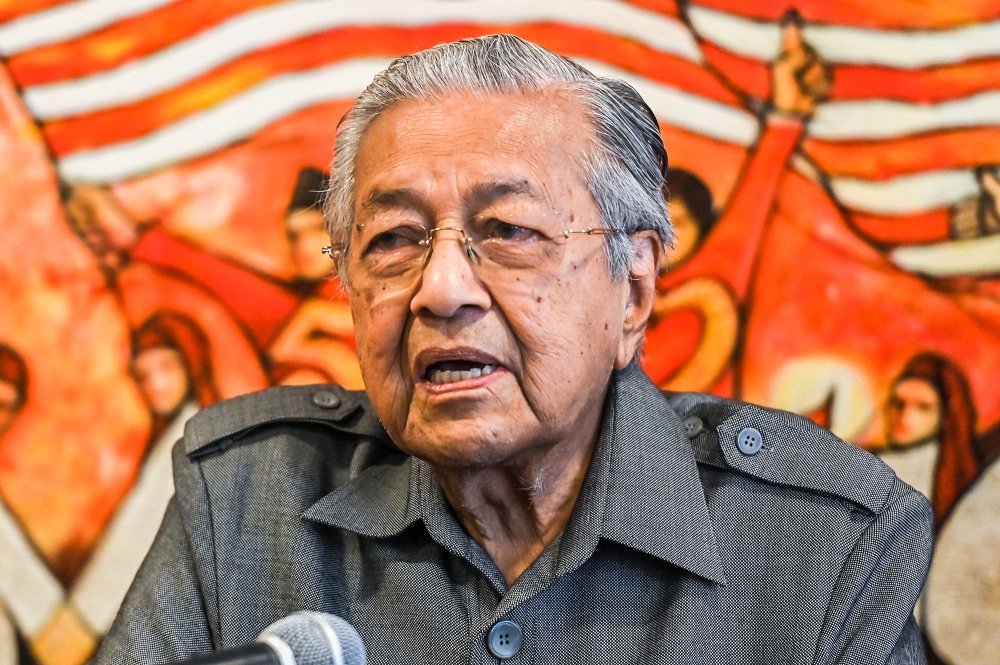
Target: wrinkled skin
(510, 449)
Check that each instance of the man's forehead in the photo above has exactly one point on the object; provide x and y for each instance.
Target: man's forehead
(496, 145)
(550, 115)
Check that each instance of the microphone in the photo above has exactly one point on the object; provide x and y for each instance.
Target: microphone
(302, 638)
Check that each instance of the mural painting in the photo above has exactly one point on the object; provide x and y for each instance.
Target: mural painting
(834, 179)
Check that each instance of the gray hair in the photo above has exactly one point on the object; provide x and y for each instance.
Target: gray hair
(624, 171)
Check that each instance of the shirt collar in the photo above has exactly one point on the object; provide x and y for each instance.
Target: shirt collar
(655, 499)
(642, 490)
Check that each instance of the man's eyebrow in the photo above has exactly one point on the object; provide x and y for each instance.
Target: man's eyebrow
(490, 192)
(381, 199)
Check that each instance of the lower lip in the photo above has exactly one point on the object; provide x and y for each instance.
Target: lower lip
(467, 384)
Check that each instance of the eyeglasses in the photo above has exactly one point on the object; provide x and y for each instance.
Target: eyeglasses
(396, 252)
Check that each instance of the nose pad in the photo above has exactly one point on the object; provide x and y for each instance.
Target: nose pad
(447, 282)
(456, 233)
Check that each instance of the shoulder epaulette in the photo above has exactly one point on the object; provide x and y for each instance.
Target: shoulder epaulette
(785, 449)
(330, 404)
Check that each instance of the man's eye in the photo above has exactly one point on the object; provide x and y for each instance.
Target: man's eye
(391, 240)
(512, 232)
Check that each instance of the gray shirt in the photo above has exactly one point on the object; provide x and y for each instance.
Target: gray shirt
(681, 548)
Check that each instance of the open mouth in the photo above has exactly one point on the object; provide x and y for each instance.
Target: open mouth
(453, 371)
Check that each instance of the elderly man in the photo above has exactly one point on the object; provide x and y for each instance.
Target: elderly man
(511, 486)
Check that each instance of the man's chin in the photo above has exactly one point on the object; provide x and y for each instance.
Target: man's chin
(461, 444)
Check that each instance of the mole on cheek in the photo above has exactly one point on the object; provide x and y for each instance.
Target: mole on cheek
(538, 299)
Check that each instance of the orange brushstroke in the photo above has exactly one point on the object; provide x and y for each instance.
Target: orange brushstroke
(747, 74)
(12, 9)
(930, 85)
(886, 230)
(666, 7)
(956, 148)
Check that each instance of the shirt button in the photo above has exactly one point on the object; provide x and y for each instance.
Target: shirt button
(504, 640)
(749, 440)
(693, 426)
(326, 399)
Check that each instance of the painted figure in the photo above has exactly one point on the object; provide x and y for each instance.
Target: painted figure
(13, 386)
(691, 212)
(930, 420)
(305, 228)
(171, 363)
(319, 334)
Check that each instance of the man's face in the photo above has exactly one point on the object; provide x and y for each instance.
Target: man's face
(307, 236)
(553, 336)
(913, 413)
(163, 379)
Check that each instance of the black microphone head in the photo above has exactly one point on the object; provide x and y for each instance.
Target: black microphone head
(314, 638)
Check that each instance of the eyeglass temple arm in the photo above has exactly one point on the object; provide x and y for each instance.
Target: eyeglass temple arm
(592, 231)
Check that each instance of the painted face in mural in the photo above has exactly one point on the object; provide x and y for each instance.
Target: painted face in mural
(163, 379)
(307, 235)
(13, 386)
(913, 413)
(474, 365)
(10, 403)
(687, 232)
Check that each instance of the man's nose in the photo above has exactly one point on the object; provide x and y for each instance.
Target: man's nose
(449, 282)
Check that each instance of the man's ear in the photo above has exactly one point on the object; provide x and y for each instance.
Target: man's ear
(641, 294)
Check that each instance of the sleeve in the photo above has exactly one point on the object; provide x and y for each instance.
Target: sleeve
(163, 617)
(870, 615)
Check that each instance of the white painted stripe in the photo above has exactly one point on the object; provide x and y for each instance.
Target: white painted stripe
(908, 49)
(906, 194)
(68, 21)
(28, 589)
(883, 119)
(266, 27)
(980, 256)
(682, 109)
(243, 115)
(236, 118)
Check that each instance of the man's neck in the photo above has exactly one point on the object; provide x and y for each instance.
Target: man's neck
(515, 511)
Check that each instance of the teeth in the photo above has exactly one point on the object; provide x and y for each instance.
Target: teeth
(452, 376)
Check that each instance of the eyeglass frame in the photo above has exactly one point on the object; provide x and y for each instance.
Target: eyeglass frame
(470, 251)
